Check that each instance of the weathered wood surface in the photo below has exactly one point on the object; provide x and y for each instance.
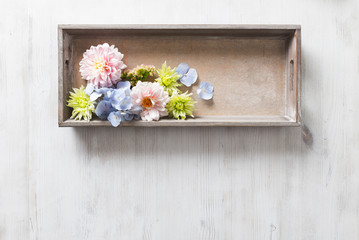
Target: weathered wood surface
(179, 183)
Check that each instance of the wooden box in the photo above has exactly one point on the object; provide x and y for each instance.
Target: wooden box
(255, 69)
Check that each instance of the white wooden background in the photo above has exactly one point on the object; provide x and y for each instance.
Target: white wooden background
(178, 183)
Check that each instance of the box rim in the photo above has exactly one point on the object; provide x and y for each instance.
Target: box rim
(180, 26)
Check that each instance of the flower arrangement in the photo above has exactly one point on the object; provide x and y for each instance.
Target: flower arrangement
(118, 95)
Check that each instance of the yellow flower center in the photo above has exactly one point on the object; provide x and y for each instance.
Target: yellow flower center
(146, 102)
(101, 66)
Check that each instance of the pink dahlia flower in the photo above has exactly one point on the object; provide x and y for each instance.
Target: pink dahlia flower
(102, 65)
(152, 98)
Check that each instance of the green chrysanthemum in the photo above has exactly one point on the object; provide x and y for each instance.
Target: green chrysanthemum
(181, 105)
(81, 103)
(168, 79)
(140, 73)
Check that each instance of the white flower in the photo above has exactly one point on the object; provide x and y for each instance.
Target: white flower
(152, 98)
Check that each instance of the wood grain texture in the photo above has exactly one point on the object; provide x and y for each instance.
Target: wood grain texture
(220, 183)
(14, 128)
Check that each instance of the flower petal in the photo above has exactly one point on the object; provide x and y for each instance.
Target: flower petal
(154, 114)
(190, 77)
(182, 68)
(94, 96)
(123, 84)
(136, 109)
(125, 104)
(103, 109)
(89, 89)
(128, 116)
(103, 90)
(206, 86)
(114, 118)
(117, 97)
(205, 95)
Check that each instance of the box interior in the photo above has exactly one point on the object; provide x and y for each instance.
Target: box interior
(254, 73)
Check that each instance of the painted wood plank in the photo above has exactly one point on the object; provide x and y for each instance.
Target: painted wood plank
(179, 183)
(15, 39)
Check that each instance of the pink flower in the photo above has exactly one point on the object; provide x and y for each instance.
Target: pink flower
(102, 65)
(152, 98)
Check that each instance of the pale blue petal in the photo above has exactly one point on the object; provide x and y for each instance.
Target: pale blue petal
(109, 93)
(117, 97)
(125, 104)
(100, 108)
(206, 86)
(136, 109)
(94, 96)
(106, 92)
(114, 118)
(206, 91)
(128, 116)
(182, 68)
(103, 90)
(123, 84)
(89, 89)
(103, 109)
(205, 95)
(190, 77)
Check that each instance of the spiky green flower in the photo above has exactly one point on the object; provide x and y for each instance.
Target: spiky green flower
(181, 105)
(168, 79)
(82, 106)
(140, 73)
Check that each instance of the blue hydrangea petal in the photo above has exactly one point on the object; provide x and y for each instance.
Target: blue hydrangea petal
(125, 104)
(205, 95)
(114, 118)
(100, 108)
(94, 96)
(106, 92)
(127, 116)
(103, 109)
(123, 84)
(136, 109)
(207, 86)
(109, 93)
(190, 77)
(205, 91)
(182, 69)
(117, 97)
(103, 90)
(89, 89)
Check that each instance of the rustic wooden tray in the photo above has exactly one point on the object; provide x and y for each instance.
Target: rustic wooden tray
(255, 69)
